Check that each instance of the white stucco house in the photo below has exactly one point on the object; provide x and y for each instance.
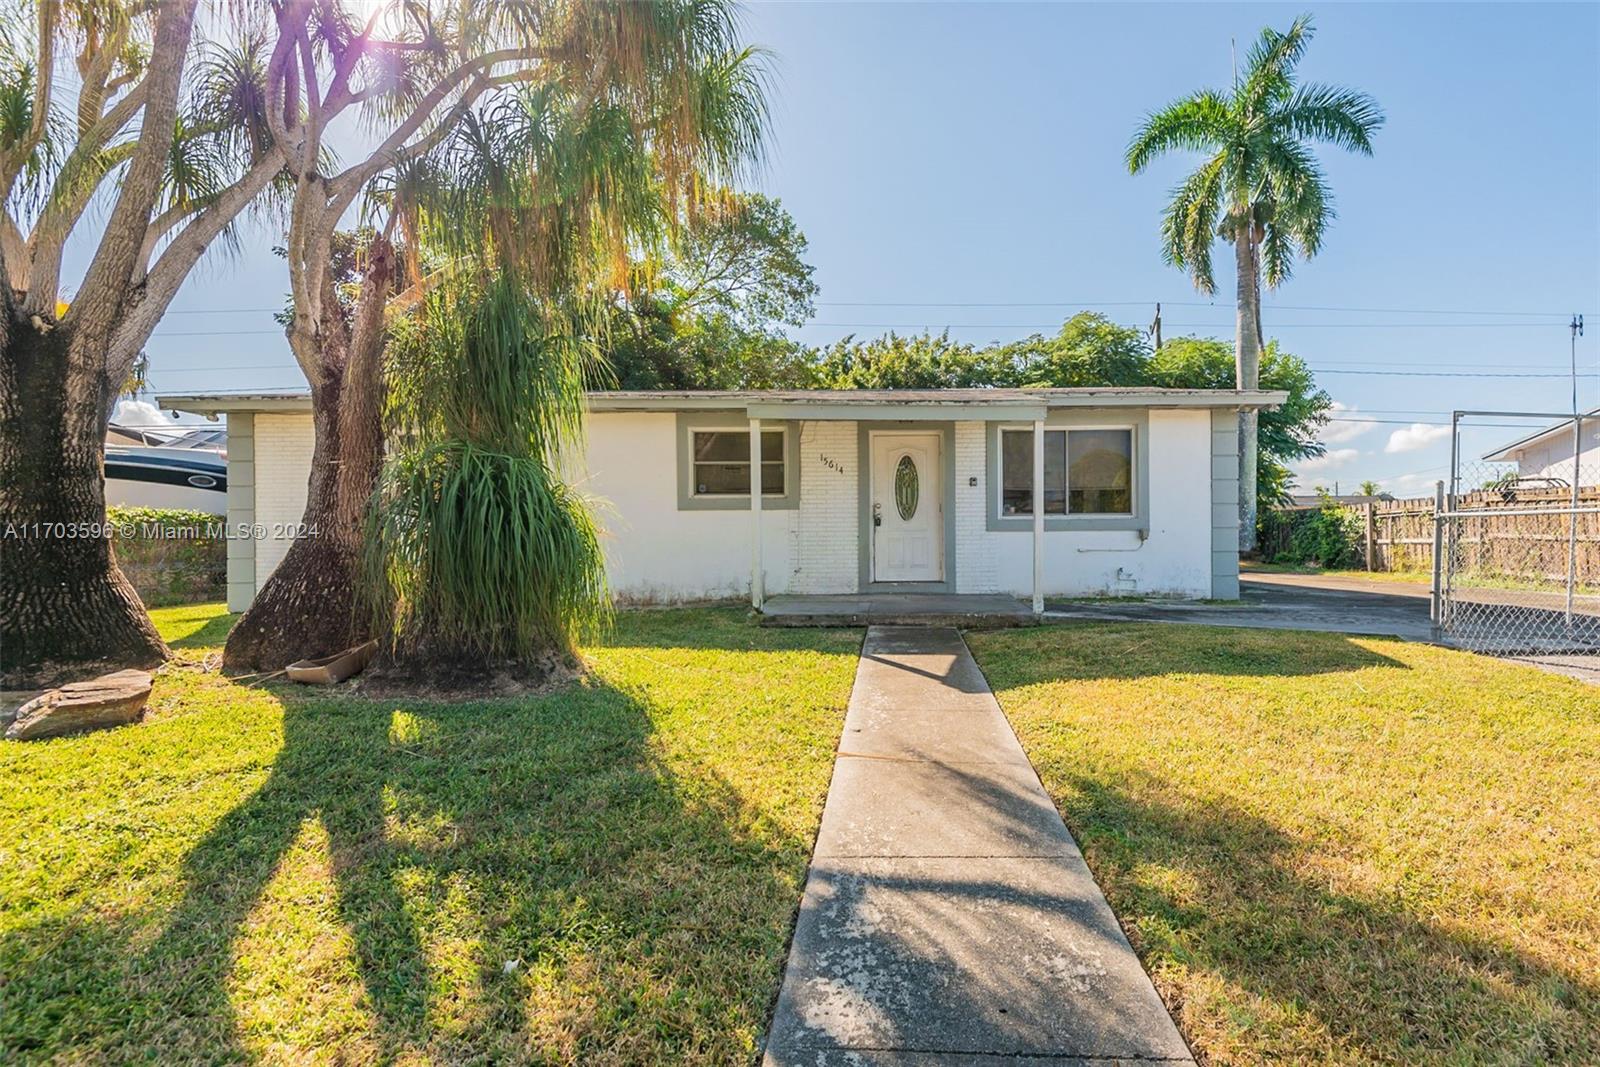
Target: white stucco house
(862, 491)
(1548, 453)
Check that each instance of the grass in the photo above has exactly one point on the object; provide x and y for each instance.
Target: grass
(1407, 577)
(1326, 849)
(603, 875)
(1551, 584)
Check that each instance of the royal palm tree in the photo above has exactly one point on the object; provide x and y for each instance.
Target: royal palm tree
(1260, 189)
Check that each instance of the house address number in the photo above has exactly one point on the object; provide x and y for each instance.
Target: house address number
(831, 463)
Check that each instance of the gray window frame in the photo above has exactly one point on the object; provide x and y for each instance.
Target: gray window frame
(1136, 421)
(688, 424)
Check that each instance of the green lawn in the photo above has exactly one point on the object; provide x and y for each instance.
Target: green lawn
(1407, 577)
(603, 875)
(1326, 849)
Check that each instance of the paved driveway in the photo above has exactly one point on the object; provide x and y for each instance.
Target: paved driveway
(1283, 602)
(1309, 602)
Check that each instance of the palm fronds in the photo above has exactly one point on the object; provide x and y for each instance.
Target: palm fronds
(475, 549)
(529, 214)
(1260, 181)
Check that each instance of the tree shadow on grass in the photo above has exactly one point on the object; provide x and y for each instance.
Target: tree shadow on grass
(642, 903)
(1213, 889)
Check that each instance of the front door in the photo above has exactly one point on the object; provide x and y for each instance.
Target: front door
(907, 508)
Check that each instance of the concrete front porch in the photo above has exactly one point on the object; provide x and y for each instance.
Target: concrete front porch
(969, 610)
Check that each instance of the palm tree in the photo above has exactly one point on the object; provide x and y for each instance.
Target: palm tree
(476, 553)
(1260, 189)
(642, 65)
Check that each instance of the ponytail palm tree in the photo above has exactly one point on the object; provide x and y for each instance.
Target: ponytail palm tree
(429, 76)
(477, 554)
(1260, 189)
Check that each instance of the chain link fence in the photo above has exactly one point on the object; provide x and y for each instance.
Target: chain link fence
(1519, 535)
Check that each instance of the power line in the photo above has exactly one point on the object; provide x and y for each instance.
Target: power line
(1181, 303)
(1445, 374)
(1051, 304)
(936, 326)
(1424, 422)
(221, 311)
(932, 326)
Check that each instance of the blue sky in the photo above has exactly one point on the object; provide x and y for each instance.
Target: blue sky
(939, 155)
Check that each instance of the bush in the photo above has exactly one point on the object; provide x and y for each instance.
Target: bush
(1329, 536)
(171, 555)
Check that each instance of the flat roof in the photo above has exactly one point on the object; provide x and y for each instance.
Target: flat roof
(816, 403)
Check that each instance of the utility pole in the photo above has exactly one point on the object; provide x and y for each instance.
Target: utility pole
(1155, 328)
(1577, 473)
(1577, 332)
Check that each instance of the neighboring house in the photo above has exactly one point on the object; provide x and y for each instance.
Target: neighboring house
(165, 470)
(910, 490)
(1547, 454)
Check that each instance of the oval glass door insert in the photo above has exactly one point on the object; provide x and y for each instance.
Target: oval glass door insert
(905, 488)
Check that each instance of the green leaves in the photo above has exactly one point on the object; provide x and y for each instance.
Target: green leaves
(1259, 167)
(1189, 226)
(1331, 114)
(481, 555)
(475, 548)
(1202, 122)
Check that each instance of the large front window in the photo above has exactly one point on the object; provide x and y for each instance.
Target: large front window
(722, 463)
(1086, 472)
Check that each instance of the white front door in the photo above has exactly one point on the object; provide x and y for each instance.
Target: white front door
(907, 508)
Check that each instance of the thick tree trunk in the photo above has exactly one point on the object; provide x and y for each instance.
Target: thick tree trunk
(307, 608)
(310, 607)
(66, 611)
(1247, 370)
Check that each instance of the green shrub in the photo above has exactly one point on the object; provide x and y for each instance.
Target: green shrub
(1329, 536)
(171, 555)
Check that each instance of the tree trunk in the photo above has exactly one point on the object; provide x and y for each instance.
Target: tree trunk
(309, 606)
(1247, 370)
(66, 611)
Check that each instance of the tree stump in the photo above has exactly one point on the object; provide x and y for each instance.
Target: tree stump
(110, 700)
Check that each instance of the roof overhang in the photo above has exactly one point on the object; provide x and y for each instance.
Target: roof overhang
(866, 405)
(223, 403)
(1510, 453)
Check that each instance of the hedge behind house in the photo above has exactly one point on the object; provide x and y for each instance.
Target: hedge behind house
(1329, 536)
(171, 556)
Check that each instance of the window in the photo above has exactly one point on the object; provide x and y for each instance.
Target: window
(722, 463)
(1099, 472)
(1086, 472)
(1016, 480)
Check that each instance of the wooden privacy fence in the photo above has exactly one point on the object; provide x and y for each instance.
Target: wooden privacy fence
(1398, 534)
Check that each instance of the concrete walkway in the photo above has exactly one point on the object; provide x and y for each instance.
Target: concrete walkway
(948, 916)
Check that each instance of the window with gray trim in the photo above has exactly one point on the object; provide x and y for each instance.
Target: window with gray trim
(721, 462)
(1086, 472)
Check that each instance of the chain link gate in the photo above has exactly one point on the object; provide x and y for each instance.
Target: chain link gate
(1517, 535)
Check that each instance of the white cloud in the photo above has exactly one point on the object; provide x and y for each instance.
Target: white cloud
(1336, 431)
(1417, 435)
(140, 413)
(1410, 484)
(1329, 460)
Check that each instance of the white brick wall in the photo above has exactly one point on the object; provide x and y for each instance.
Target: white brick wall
(827, 553)
(976, 571)
(283, 461)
